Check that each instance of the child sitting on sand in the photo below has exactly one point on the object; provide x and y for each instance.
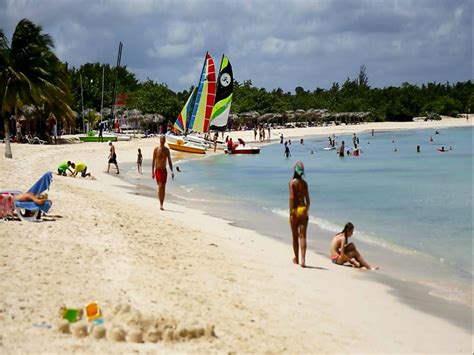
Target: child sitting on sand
(343, 252)
(80, 168)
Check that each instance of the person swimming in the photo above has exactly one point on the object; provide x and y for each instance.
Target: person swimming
(342, 252)
(299, 207)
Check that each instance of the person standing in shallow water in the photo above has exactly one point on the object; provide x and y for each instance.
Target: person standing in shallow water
(161, 155)
(342, 150)
(112, 158)
(299, 207)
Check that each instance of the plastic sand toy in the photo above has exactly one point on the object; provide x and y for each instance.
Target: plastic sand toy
(93, 311)
(72, 315)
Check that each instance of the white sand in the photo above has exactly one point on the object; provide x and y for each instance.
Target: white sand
(102, 242)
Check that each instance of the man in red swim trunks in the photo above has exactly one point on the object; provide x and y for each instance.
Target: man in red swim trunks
(161, 154)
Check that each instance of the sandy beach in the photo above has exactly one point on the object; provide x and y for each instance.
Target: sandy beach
(103, 241)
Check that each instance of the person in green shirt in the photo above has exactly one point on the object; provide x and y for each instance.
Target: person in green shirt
(80, 168)
(64, 167)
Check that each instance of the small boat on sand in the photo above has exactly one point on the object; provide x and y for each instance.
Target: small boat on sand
(241, 148)
(187, 147)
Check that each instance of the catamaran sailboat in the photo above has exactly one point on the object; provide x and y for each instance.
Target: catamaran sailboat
(207, 108)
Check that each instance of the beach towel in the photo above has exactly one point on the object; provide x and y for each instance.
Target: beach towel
(39, 187)
(42, 184)
(6, 205)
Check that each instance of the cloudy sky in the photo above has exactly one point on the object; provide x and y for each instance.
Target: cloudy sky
(274, 43)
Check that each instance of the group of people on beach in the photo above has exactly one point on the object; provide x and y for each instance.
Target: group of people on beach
(341, 251)
(75, 168)
(261, 133)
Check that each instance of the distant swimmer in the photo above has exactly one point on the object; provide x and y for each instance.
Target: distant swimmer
(343, 252)
(281, 138)
(450, 148)
(342, 150)
(395, 150)
(373, 132)
(356, 151)
(442, 149)
(312, 151)
(431, 139)
(177, 169)
(287, 151)
(418, 148)
(436, 132)
(299, 207)
(301, 141)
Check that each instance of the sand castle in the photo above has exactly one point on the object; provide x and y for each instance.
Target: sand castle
(125, 324)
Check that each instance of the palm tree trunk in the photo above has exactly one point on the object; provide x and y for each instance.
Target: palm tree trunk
(8, 148)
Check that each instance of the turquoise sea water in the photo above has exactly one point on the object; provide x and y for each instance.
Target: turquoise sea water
(412, 211)
(415, 207)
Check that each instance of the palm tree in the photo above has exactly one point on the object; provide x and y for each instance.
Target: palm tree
(30, 73)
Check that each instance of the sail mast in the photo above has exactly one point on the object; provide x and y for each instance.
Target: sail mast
(198, 95)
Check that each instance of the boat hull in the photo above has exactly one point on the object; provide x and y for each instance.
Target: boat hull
(187, 148)
(249, 150)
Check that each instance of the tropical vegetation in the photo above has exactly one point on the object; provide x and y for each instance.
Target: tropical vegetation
(31, 74)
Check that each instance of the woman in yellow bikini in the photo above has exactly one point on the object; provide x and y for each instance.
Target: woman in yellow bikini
(299, 207)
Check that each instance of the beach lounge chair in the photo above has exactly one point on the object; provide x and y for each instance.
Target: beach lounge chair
(34, 140)
(30, 211)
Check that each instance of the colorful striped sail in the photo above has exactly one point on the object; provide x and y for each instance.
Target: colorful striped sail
(185, 114)
(205, 97)
(225, 85)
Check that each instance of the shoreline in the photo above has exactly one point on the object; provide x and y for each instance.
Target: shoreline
(417, 263)
(183, 263)
(450, 122)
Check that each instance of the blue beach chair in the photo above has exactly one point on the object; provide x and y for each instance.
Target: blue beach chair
(30, 211)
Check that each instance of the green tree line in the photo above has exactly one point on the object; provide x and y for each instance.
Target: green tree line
(391, 103)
